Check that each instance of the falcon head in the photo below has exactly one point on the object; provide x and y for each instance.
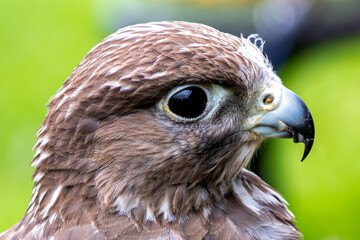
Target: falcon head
(158, 121)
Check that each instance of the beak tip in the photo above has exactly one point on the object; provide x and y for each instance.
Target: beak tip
(305, 133)
(304, 156)
(308, 146)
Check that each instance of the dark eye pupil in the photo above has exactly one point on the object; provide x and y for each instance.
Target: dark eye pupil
(190, 102)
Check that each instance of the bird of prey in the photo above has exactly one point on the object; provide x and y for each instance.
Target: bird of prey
(149, 137)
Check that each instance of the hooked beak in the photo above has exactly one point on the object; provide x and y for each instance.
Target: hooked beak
(291, 119)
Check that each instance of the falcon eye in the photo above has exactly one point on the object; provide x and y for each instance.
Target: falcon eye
(193, 102)
(189, 102)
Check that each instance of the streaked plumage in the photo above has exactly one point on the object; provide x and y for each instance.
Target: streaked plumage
(113, 163)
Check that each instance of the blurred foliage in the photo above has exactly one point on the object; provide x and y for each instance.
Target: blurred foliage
(323, 191)
(210, 3)
(42, 41)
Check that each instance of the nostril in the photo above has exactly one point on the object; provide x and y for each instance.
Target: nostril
(268, 99)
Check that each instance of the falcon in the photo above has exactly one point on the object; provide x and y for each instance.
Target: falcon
(149, 138)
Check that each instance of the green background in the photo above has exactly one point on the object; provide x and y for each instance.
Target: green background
(41, 42)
